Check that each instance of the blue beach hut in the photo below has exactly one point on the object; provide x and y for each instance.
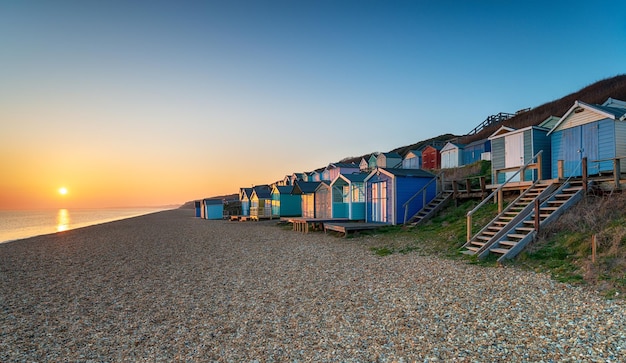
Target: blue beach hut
(198, 208)
(597, 132)
(387, 190)
(244, 198)
(476, 151)
(213, 208)
(349, 196)
(284, 203)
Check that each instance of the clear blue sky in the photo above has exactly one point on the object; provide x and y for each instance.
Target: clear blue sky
(225, 94)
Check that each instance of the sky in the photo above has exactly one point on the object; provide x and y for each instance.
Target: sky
(150, 103)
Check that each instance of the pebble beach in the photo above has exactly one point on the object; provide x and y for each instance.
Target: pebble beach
(168, 287)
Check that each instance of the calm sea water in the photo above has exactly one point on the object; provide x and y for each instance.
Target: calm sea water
(23, 224)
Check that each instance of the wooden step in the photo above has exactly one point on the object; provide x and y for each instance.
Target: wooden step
(501, 251)
(508, 243)
(527, 229)
(484, 238)
(516, 235)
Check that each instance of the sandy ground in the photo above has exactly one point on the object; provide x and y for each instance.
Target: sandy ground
(170, 287)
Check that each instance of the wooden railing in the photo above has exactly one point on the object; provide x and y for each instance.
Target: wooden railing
(423, 193)
(498, 191)
(528, 166)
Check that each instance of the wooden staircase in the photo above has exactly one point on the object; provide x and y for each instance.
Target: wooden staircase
(515, 212)
(430, 209)
(507, 246)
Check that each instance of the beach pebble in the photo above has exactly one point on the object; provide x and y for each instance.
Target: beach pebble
(170, 287)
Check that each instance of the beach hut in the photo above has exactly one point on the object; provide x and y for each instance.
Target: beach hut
(363, 165)
(261, 201)
(372, 162)
(431, 157)
(387, 190)
(213, 208)
(597, 132)
(284, 203)
(412, 160)
(198, 208)
(295, 177)
(244, 198)
(512, 148)
(451, 155)
(306, 191)
(349, 196)
(476, 151)
(389, 160)
(315, 176)
(334, 169)
(323, 201)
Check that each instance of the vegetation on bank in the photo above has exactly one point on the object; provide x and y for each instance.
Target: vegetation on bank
(563, 249)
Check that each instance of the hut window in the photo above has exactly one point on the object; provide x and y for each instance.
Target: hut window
(358, 194)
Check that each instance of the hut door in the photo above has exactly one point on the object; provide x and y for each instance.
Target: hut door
(513, 153)
(590, 147)
(379, 202)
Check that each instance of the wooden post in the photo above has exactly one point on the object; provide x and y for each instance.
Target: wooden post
(469, 227)
(539, 171)
(584, 172)
(560, 172)
(616, 173)
(483, 186)
(537, 216)
(593, 248)
(468, 186)
(500, 202)
(455, 189)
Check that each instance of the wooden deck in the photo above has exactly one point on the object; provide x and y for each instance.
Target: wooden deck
(258, 218)
(305, 225)
(348, 227)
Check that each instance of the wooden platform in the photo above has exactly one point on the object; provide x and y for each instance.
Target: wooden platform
(348, 227)
(239, 218)
(305, 225)
(258, 218)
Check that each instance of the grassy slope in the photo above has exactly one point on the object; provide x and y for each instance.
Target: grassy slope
(562, 250)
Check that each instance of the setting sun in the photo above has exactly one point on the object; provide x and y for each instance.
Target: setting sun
(63, 191)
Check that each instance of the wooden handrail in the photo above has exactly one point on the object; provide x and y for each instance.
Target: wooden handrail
(495, 192)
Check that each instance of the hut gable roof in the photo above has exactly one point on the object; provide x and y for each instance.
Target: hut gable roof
(301, 187)
(245, 192)
(280, 189)
(321, 185)
(402, 173)
(476, 143)
(213, 201)
(262, 191)
(612, 102)
(451, 146)
(613, 113)
(501, 131)
(351, 178)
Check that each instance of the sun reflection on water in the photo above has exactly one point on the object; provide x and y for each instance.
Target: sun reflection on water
(63, 220)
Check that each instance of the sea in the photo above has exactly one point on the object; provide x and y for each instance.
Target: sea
(21, 224)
